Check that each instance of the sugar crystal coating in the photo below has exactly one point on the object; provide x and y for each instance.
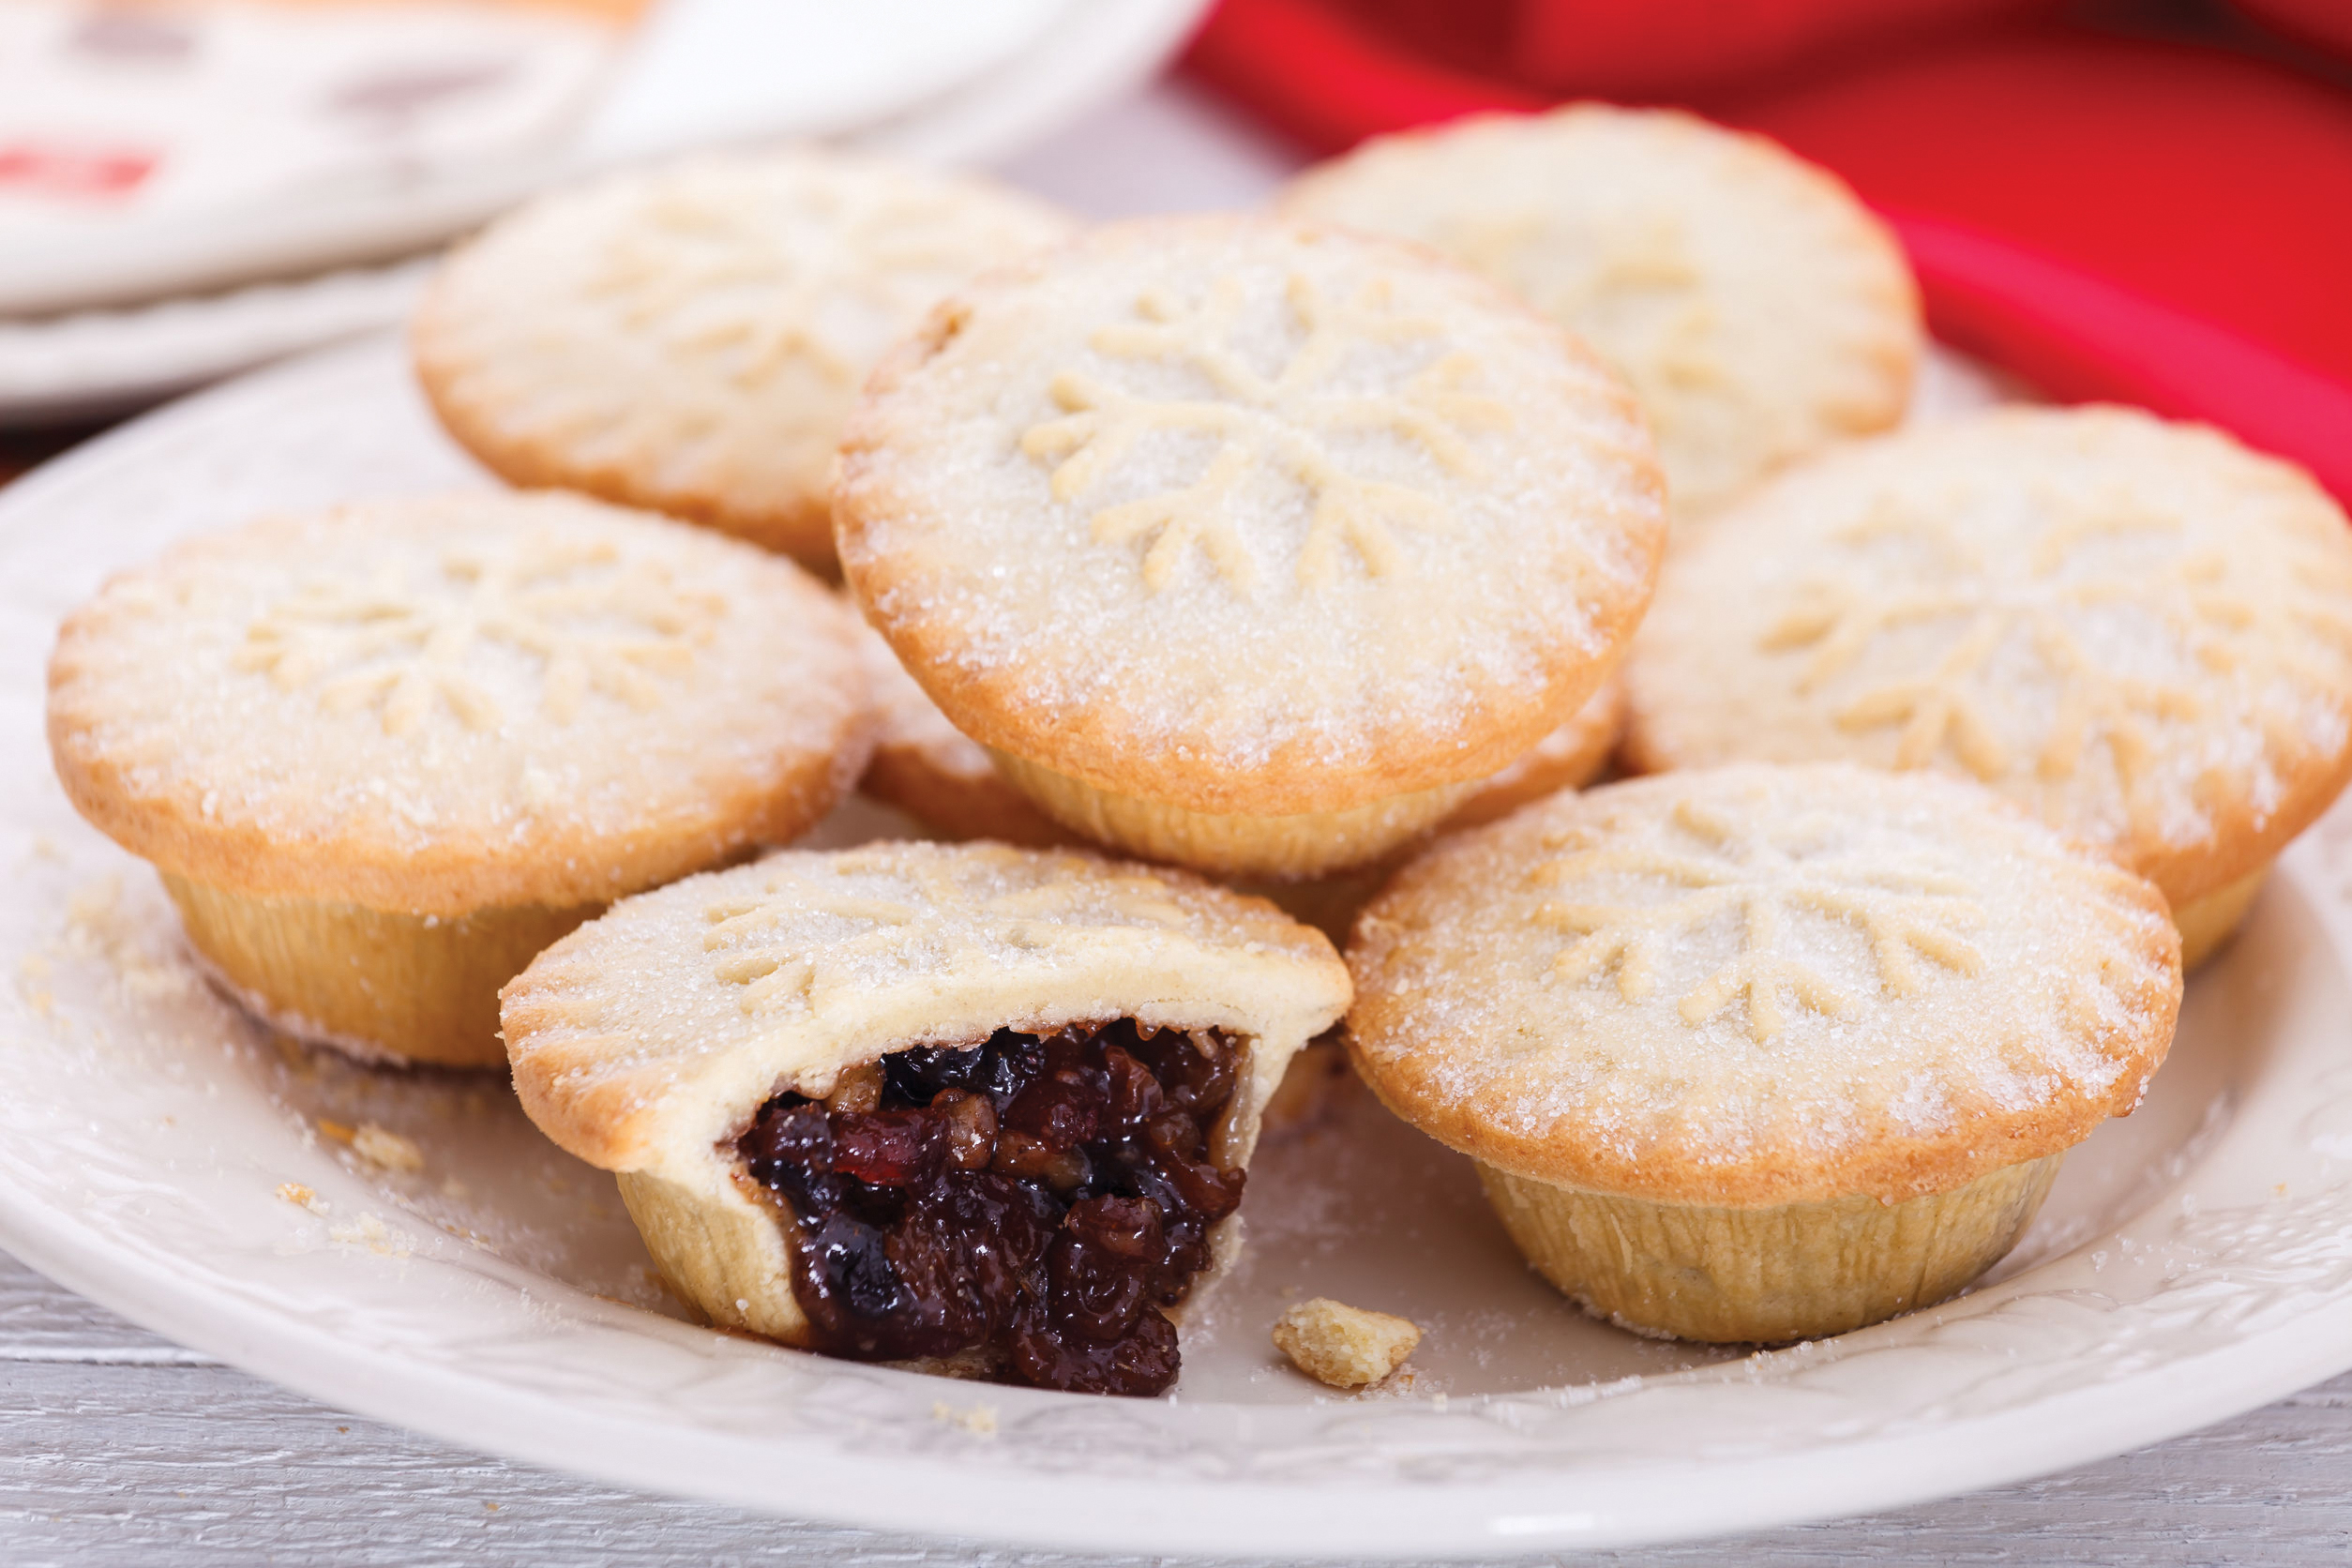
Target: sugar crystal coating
(1755, 304)
(1283, 420)
(1343, 1346)
(1760, 984)
(912, 721)
(690, 1005)
(1568, 758)
(690, 337)
(444, 703)
(2140, 632)
(929, 769)
(1248, 517)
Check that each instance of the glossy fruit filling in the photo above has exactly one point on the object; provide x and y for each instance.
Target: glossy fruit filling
(1038, 1199)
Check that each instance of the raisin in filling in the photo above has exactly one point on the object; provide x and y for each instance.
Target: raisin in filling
(1042, 1197)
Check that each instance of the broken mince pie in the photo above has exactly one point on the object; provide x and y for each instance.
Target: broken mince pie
(980, 1108)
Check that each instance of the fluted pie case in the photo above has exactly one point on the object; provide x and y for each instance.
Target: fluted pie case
(407, 1246)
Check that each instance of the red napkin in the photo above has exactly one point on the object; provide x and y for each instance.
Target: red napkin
(1638, 49)
(2321, 23)
(2160, 223)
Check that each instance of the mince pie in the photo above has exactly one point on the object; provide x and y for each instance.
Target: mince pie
(985, 1110)
(384, 754)
(1758, 308)
(1246, 544)
(688, 338)
(1764, 1053)
(2140, 630)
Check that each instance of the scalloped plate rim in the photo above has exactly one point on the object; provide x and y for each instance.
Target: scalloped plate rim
(2030, 1445)
(823, 1477)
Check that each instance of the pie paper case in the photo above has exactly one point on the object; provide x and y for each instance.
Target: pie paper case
(2195, 1260)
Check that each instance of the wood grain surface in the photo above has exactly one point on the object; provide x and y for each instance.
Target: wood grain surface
(118, 1448)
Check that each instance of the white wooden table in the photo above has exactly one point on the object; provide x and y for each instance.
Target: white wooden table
(117, 1446)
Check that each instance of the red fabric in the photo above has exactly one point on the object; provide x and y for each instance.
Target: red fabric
(2321, 23)
(1655, 47)
(2149, 222)
(2219, 183)
(1640, 49)
(1315, 74)
(2078, 334)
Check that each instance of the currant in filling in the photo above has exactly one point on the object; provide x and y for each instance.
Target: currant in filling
(1037, 1198)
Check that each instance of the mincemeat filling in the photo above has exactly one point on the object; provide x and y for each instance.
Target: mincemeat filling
(1042, 1197)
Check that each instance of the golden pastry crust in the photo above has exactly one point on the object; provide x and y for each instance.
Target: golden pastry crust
(688, 338)
(2140, 630)
(1569, 757)
(1756, 986)
(1288, 848)
(646, 1041)
(455, 703)
(647, 1036)
(1770, 1275)
(1248, 518)
(1343, 1346)
(932, 771)
(374, 984)
(1758, 308)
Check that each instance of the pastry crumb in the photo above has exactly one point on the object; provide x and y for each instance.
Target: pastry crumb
(1344, 1346)
(383, 1148)
(33, 972)
(301, 1197)
(373, 1234)
(980, 1420)
(99, 927)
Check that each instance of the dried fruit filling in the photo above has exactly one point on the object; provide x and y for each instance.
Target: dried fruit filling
(1039, 1199)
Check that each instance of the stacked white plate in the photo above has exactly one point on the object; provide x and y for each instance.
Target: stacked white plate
(189, 192)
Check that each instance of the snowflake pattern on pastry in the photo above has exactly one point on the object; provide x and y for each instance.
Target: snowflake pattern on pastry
(714, 273)
(787, 943)
(402, 643)
(1768, 875)
(1638, 293)
(1989, 599)
(1281, 423)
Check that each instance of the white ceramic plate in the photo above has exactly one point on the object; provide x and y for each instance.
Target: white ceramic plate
(95, 363)
(2196, 1260)
(995, 101)
(144, 148)
(958, 80)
